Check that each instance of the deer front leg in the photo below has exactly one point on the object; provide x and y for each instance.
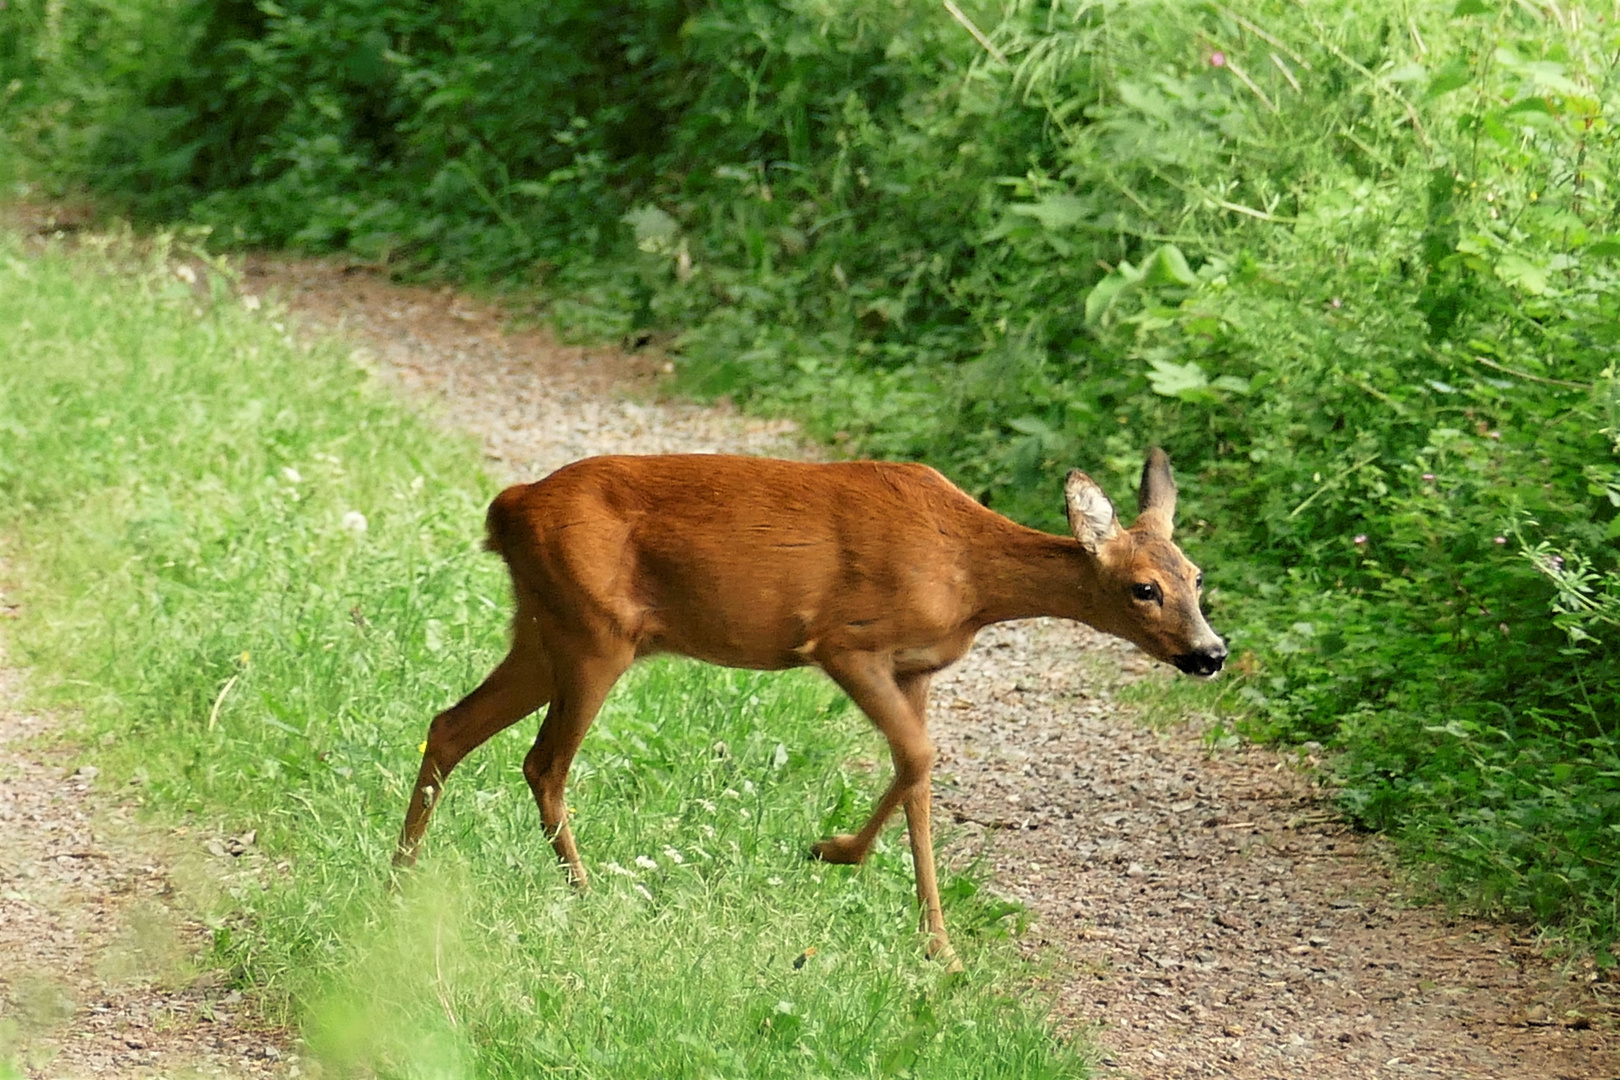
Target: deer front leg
(897, 705)
(913, 758)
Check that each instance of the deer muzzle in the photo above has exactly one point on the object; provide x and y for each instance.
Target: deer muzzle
(1204, 662)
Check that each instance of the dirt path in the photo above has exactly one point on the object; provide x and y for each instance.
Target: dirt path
(99, 973)
(1217, 920)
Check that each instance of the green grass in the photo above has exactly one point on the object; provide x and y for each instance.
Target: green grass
(175, 472)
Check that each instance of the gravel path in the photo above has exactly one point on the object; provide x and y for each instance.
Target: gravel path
(99, 968)
(1215, 918)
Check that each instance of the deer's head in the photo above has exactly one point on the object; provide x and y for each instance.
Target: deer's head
(1150, 590)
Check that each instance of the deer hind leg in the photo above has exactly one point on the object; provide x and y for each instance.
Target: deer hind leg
(898, 707)
(518, 686)
(583, 679)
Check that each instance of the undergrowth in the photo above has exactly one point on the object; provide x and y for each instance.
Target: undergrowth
(1354, 265)
(256, 579)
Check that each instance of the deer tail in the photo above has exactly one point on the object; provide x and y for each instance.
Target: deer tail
(500, 522)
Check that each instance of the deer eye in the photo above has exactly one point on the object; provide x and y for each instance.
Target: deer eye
(1145, 590)
(1199, 584)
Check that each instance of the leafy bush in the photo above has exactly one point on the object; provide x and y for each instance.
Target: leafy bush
(1355, 268)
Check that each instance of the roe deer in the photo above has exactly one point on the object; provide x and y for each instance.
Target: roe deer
(880, 574)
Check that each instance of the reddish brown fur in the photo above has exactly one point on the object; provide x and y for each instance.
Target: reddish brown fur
(878, 573)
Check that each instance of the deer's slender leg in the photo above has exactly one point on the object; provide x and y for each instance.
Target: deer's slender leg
(518, 686)
(898, 707)
(583, 679)
(918, 826)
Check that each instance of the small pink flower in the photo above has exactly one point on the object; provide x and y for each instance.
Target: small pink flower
(1336, 302)
(1501, 540)
(1361, 538)
(1494, 435)
(1217, 59)
(1429, 476)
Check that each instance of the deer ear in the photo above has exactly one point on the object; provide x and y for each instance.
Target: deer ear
(1156, 498)
(1091, 515)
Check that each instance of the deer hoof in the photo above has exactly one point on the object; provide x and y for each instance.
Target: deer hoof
(843, 850)
(945, 955)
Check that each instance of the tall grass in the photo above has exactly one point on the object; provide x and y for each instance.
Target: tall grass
(182, 485)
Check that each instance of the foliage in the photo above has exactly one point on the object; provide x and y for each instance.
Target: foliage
(1355, 268)
(258, 579)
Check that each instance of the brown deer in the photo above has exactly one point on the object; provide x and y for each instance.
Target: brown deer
(880, 574)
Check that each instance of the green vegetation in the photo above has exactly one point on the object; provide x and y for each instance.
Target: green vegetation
(258, 580)
(1355, 266)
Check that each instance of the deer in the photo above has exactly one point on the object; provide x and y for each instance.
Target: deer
(878, 573)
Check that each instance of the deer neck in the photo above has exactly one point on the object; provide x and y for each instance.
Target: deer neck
(1023, 573)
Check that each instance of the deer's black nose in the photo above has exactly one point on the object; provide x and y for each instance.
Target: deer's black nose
(1203, 662)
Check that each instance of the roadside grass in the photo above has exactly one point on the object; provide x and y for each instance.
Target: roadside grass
(182, 485)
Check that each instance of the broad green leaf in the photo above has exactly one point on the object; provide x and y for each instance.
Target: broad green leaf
(1054, 211)
(1108, 290)
(1176, 380)
(1031, 425)
(1549, 76)
(1168, 266)
(1530, 104)
(1453, 76)
(1521, 273)
(654, 228)
(1471, 7)
(1608, 248)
